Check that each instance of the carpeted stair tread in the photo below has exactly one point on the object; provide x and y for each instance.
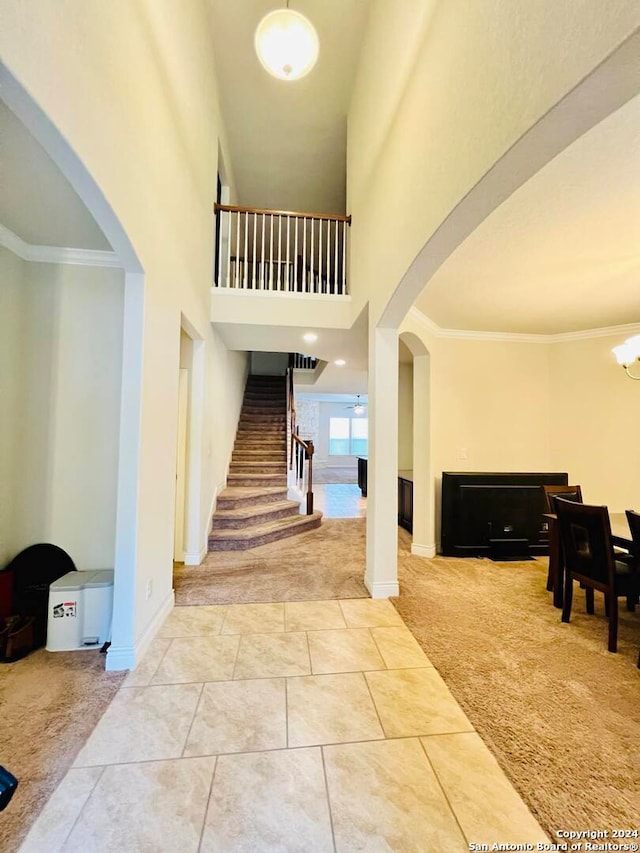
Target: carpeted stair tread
(254, 508)
(254, 515)
(235, 496)
(257, 479)
(275, 455)
(263, 465)
(252, 537)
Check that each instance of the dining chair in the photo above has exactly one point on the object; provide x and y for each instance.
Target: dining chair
(568, 493)
(633, 519)
(589, 558)
(555, 571)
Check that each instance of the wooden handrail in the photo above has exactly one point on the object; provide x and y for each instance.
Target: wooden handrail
(234, 208)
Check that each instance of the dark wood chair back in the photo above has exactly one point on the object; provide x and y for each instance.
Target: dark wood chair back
(586, 540)
(634, 526)
(589, 557)
(568, 493)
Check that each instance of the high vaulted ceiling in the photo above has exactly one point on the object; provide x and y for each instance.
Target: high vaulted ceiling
(562, 254)
(288, 139)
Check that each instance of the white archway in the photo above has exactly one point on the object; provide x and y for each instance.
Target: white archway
(610, 85)
(45, 132)
(606, 88)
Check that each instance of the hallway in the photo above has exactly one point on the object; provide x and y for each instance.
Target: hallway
(298, 726)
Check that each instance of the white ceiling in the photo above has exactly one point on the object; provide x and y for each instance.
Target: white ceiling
(562, 254)
(288, 139)
(37, 202)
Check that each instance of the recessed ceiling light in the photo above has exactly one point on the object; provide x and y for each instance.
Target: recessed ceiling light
(340, 362)
(310, 337)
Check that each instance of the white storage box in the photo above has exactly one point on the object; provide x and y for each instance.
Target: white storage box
(80, 606)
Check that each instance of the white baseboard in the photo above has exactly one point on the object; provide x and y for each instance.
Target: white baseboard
(382, 589)
(194, 558)
(423, 550)
(128, 657)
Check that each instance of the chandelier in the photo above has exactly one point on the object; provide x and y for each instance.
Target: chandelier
(628, 353)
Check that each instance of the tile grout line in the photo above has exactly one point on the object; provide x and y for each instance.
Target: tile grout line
(380, 652)
(286, 712)
(326, 788)
(193, 719)
(160, 662)
(79, 815)
(373, 701)
(314, 745)
(206, 808)
(306, 636)
(235, 662)
(444, 793)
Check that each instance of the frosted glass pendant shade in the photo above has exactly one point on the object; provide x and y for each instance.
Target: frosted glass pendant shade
(286, 44)
(628, 352)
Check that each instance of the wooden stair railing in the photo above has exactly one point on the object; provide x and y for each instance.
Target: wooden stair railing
(300, 451)
(281, 250)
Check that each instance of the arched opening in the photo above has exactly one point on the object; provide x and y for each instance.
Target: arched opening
(73, 364)
(600, 93)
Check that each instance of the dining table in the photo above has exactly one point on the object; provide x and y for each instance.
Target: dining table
(620, 536)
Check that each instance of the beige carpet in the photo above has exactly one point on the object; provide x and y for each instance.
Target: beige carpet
(50, 702)
(559, 712)
(321, 564)
(346, 474)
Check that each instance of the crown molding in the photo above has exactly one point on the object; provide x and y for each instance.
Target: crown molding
(516, 337)
(56, 254)
(602, 332)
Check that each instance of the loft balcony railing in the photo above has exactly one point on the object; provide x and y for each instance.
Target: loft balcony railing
(281, 251)
(303, 362)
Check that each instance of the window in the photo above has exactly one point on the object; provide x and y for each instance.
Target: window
(348, 436)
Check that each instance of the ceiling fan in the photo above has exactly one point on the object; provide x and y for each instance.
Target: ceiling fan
(358, 407)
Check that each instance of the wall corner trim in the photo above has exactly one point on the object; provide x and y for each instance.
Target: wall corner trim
(423, 550)
(382, 589)
(128, 657)
(194, 558)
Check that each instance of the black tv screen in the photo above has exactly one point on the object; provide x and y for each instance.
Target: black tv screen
(485, 514)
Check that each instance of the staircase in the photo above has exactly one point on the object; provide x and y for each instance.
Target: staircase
(253, 509)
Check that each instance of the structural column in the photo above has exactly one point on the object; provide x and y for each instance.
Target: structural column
(424, 543)
(381, 576)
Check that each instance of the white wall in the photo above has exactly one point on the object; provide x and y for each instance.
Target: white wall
(513, 406)
(308, 419)
(228, 372)
(62, 342)
(132, 87)
(12, 275)
(491, 406)
(595, 410)
(443, 91)
(269, 363)
(405, 417)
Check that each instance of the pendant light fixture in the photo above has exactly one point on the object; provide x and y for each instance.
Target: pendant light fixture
(287, 44)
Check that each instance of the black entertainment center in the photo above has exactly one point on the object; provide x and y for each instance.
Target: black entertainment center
(495, 514)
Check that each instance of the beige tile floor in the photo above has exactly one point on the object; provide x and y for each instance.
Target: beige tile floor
(339, 500)
(306, 726)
